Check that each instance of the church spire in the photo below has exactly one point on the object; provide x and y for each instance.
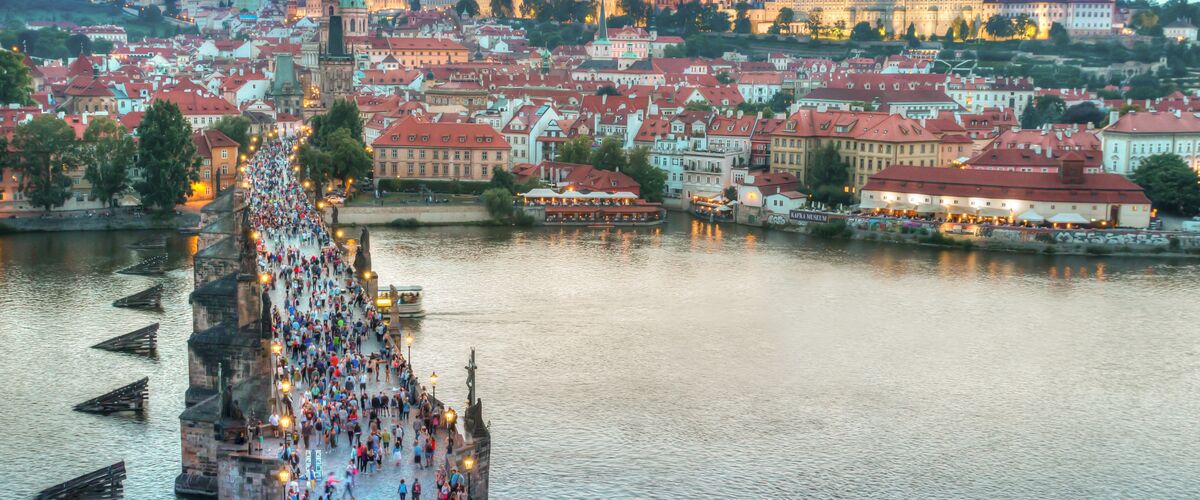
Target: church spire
(602, 30)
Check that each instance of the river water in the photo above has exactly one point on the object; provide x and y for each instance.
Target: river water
(687, 361)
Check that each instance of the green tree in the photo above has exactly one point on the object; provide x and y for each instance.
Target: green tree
(236, 128)
(864, 32)
(78, 44)
(414, 5)
(607, 90)
(1050, 108)
(999, 27)
(1029, 116)
(316, 165)
(783, 21)
(652, 180)
(1144, 20)
(499, 203)
(963, 30)
(949, 36)
(467, 8)
(741, 21)
(1059, 35)
(502, 178)
(1170, 184)
(343, 114)
(577, 149)
(43, 150)
(102, 46)
(781, 101)
(827, 176)
(724, 78)
(108, 152)
(15, 83)
(610, 155)
(166, 157)
(1084, 112)
(502, 8)
(349, 159)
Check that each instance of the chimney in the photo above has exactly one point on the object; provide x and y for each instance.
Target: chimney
(1178, 114)
(1049, 152)
(1113, 116)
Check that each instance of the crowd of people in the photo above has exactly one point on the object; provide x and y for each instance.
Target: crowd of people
(327, 369)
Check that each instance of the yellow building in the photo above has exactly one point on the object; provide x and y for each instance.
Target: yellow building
(867, 142)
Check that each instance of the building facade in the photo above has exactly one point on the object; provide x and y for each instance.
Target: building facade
(1131, 138)
(411, 149)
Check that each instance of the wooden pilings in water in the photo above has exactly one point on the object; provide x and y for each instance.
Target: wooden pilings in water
(151, 266)
(104, 483)
(150, 298)
(131, 397)
(142, 341)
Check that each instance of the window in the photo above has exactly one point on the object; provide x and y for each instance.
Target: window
(224, 154)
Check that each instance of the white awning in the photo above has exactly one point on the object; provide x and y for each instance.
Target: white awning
(541, 193)
(1030, 216)
(1068, 218)
(959, 209)
(901, 205)
(625, 195)
(600, 195)
(930, 208)
(871, 204)
(571, 194)
(994, 212)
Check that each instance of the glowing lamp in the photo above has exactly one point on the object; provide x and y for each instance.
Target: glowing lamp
(284, 476)
(468, 462)
(276, 347)
(409, 339)
(285, 421)
(433, 379)
(285, 386)
(451, 415)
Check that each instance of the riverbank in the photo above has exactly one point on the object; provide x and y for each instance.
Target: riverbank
(1005, 239)
(59, 222)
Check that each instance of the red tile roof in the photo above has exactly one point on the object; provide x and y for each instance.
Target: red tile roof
(968, 183)
(411, 133)
(1154, 122)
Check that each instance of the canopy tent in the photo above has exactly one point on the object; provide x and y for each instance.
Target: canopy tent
(959, 209)
(1030, 216)
(1068, 218)
(901, 205)
(871, 204)
(994, 212)
(930, 208)
(540, 193)
(572, 194)
(624, 195)
(706, 196)
(599, 195)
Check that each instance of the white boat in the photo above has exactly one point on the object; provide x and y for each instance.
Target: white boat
(407, 301)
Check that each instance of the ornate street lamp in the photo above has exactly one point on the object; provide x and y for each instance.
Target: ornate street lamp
(433, 382)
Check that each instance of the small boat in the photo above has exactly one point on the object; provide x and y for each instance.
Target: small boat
(405, 301)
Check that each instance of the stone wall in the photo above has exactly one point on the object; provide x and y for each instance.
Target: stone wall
(424, 214)
(249, 476)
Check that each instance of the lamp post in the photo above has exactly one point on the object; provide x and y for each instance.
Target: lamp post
(468, 465)
(408, 340)
(284, 476)
(433, 382)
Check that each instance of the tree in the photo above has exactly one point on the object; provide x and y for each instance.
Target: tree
(502, 178)
(724, 78)
(1145, 86)
(911, 33)
(1170, 184)
(102, 46)
(499, 203)
(342, 114)
(108, 151)
(78, 44)
(827, 176)
(316, 164)
(1029, 116)
(607, 90)
(1050, 108)
(236, 128)
(652, 180)
(864, 32)
(781, 101)
(467, 8)
(43, 150)
(610, 155)
(577, 149)
(949, 36)
(963, 30)
(15, 83)
(741, 22)
(1059, 35)
(1144, 20)
(166, 157)
(414, 5)
(350, 159)
(999, 26)
(635, 9)
(783, 20)
(1024, 26)
(502, 8)
(1084, 112)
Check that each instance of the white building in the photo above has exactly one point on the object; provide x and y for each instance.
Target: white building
(1079, 17)
(1131, 138)
(522, 131)
(1181, 30)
